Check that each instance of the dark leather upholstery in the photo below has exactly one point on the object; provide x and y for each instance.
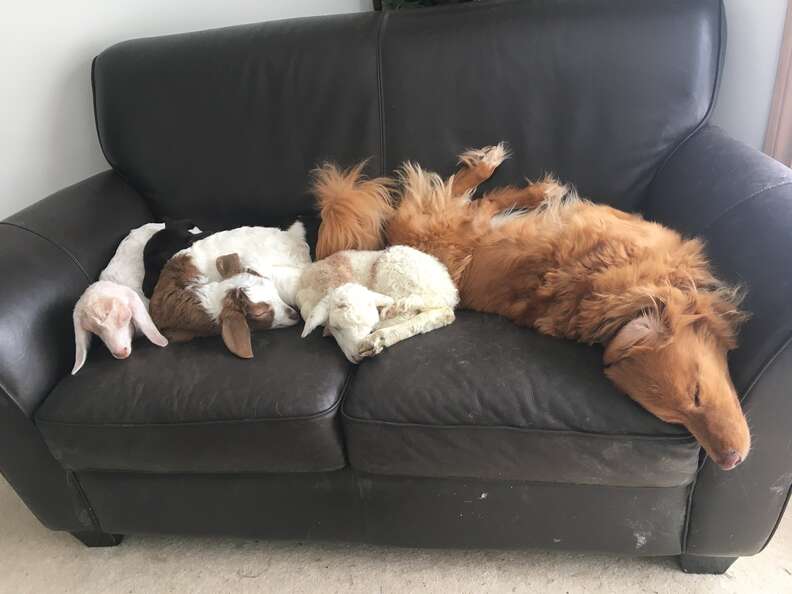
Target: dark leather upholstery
(222, 126)
(740, 202)
(484, 398)
(195, 407)
(49, 253)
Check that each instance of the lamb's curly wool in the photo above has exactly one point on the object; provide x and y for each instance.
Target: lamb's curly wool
(543, 257)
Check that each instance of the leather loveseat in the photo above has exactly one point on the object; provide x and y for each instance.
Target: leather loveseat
(481, 434)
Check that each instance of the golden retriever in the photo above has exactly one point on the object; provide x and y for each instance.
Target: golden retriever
(544, 257)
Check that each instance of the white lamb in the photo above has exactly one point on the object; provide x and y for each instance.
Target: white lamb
(370, 300)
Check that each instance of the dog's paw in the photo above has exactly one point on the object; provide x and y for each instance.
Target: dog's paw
(489, 156)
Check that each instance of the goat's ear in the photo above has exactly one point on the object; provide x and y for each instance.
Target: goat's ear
(228, 265)
(318, 316)
(641, 332)
(236, 335)
(381, 300)
(82, 340)
(143, 321)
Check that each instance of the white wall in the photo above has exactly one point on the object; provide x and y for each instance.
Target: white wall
(754, 40)
(47, 135)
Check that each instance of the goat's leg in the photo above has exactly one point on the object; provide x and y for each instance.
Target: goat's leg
(478, 165)
(426, 321)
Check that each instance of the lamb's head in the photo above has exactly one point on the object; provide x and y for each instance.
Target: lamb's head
(349, 313)
(112, 312)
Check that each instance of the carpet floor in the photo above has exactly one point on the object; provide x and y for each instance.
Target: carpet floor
(36, 561)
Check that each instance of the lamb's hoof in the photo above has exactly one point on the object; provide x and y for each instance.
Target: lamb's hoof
(372, 346)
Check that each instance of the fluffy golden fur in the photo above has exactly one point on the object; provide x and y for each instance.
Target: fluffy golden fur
(352, 206)
(545, 258)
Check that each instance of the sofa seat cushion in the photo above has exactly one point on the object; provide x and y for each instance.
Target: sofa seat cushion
(483, 398)
(194, 407)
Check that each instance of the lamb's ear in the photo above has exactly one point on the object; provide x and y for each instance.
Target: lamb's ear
(643, 331)
(297, 230)
(236, 334)
(381, 300)
(318, 316)
(143, 321)
(82, 340)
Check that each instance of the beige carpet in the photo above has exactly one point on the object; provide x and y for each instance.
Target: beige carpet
(34, 560)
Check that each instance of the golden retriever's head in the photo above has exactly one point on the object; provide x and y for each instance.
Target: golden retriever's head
(674, 365)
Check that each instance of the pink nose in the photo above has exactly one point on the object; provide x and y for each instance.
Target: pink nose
(122, 353)
(730, 460)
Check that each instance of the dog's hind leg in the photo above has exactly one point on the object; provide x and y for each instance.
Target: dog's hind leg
(425, 321)
(528, 197)
(478, 165)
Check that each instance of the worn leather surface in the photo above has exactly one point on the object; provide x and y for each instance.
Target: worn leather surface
(47, 254)
(431, 512)
(195, 407)
(740, 202)
(223, 126)
(484, 398)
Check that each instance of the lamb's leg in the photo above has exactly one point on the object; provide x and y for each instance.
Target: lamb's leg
(478, 166)
(425, 321)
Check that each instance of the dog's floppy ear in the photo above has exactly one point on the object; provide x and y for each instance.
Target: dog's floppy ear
(82, 341)
(143, 321)
(643, 331)
(318, 316)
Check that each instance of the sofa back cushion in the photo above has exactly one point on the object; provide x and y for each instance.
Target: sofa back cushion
(225, 125)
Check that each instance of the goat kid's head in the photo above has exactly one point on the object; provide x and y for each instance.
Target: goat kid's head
(349, 313)
(112, 312)
(255, 305)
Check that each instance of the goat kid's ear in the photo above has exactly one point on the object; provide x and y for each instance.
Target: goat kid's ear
(317, 317)
(236, 335)
(143, 321)
(643, 331)
(228, 265)
(82, 341)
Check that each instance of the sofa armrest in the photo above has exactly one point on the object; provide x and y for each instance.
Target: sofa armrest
(740, 202)
(49, 253)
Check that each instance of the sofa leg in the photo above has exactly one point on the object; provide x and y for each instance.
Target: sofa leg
(701, 564)
(98, 539)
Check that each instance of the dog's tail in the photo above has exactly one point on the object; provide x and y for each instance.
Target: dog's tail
(353, 209)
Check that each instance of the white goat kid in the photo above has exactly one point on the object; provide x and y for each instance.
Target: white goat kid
(370, 300)
(114, 307)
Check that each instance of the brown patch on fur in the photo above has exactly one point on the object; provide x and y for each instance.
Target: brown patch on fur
(175, 307)
(589, 272)
(353, 209)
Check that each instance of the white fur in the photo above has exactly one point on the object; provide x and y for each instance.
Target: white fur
(390, 289)
(258, 289)
(114, 313)
(280, 255)
(123, 273)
